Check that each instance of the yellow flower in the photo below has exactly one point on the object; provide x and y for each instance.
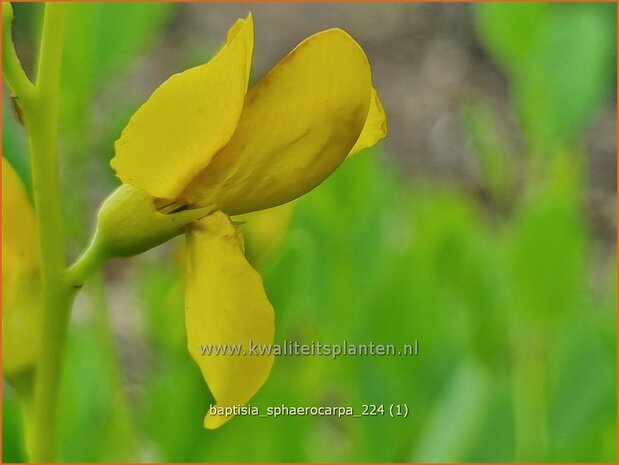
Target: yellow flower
(20, 278)
(203, 140)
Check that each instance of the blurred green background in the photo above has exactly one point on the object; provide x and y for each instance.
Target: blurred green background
(484, 227)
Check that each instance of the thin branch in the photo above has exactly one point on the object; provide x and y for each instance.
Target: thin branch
(12, 70)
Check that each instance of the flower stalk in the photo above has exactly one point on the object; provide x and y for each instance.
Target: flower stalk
(39, 105)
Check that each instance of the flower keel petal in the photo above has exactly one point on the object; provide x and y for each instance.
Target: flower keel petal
(225, 306)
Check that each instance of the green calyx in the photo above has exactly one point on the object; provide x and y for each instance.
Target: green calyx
(129, 223)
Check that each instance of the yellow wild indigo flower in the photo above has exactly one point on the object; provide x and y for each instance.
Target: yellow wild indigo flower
(205, 147)
(21, 325)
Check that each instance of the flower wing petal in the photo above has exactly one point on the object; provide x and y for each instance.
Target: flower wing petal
(225, 306)
(192, 115)
(299, 123)
(375, 127)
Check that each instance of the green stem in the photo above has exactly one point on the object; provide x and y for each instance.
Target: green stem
(39, 104)
(89, 261)
(41, 118)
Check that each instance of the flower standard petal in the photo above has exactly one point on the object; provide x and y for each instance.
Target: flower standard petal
(192, 115)
(375, 127)
(225, 307)
(299, 123)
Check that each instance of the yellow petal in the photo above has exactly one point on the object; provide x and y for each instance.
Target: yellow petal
(21, 322)
(225, 304)
(192, 115)
(20, 288)
(299, 123)
(19, 232)
(375, 127)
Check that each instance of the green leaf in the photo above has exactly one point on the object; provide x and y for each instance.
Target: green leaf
(568, 76)
(560, 60)
(547, 247)
(496, 162)
(510, 30)
(457, 417)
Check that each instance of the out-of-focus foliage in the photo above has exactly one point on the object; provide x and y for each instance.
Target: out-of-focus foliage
(107, 36)
(14, 142)
(560, 61)
(512, 306)
(103, 39)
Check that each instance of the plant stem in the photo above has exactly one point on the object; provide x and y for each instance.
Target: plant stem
(12, 70)
(41, 118)
(89, 261)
